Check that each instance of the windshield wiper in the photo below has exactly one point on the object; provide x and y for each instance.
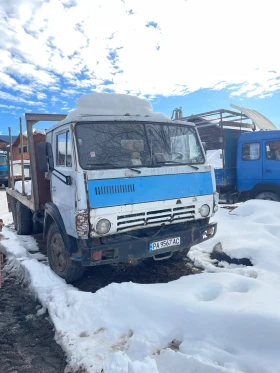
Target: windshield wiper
(113, 165)
(181, 164)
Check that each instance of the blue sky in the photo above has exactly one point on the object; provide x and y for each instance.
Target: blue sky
(188, 53)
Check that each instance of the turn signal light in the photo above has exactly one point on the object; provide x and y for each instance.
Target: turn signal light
(97, 255)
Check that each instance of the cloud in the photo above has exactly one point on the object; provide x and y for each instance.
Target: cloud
(9, 97)
(41, 96)
(147, 48)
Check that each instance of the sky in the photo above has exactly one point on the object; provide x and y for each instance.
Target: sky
(200, 55)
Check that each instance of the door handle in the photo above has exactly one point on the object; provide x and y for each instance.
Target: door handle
(267, 170)
(53, 188)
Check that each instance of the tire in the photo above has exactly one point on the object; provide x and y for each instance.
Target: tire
(269, 196)
(59, 259)
(23, 219)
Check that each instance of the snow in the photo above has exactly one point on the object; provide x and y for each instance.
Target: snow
(4, 212)
(214, 158)
(225, 320)
(35, 131)
(112, 104)
(27, 185)
(250, 231)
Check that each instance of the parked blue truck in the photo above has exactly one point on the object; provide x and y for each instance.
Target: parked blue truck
(3, 169)
(244, 149)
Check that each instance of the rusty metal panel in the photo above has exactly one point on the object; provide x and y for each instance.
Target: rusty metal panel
(32, 119)
(43, 183)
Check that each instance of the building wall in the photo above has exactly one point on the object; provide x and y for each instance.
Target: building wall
(15, 149)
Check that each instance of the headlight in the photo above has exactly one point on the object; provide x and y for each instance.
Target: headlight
(204, 210)
(103, 226)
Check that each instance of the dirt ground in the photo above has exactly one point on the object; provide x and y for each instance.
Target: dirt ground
(26, 340)
(145, 272)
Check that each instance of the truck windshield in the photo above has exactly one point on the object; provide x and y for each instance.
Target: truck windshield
(3, 160)
(136, 144)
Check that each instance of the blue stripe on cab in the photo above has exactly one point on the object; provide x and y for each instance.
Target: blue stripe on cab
(115, 192)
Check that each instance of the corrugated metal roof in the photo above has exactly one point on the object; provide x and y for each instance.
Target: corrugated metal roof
(6, 138)
(260, 120)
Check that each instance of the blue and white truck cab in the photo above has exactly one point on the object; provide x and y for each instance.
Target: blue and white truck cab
(244, 149)
(3, 168)
(258, 165)
(121, 184)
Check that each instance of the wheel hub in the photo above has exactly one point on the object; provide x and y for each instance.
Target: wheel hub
(58, 252)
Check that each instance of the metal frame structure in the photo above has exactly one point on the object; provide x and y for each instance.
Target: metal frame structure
(32, 119)
(221, 117)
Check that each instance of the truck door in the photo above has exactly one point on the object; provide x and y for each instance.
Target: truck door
(271, 161)
(64, 196)
(249, 165)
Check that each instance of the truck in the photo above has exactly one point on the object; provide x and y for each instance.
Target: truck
(115, 182)
(244, 148)
(3, 168)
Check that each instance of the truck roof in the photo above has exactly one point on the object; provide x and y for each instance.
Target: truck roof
(260, 135)
(113, 107)
(127, 118)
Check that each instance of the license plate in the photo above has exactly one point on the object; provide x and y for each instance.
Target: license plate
(176, 241)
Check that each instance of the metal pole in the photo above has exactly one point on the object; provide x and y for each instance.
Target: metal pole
(9, 168)
(22, 158)
(11, 159)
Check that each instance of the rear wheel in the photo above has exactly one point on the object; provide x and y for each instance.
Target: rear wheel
(23, 219)
(59, 259)
(269, 196)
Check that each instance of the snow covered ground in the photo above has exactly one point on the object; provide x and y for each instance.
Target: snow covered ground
(226, 319)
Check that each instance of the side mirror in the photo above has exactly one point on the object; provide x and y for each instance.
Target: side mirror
(45, 156)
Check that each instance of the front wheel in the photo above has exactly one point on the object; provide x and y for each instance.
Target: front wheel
(269, 196)
(59, 259)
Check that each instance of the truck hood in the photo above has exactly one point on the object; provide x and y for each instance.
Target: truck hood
(124, 191)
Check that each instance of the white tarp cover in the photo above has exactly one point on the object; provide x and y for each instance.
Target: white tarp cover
(260, 120)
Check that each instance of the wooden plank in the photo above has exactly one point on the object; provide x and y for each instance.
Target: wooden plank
(23, 199)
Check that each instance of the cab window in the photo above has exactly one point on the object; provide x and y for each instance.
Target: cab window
(251, 151)
(272, 149)
(63, 150)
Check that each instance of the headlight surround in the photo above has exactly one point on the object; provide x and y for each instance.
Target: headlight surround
(103, 226)
(204, 210)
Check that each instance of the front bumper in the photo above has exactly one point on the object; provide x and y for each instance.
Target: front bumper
(129, 248)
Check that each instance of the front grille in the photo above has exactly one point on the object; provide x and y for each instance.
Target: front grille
(114, 189)
(155, 217)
